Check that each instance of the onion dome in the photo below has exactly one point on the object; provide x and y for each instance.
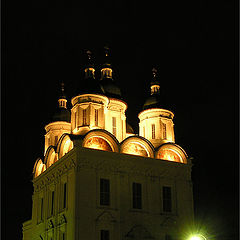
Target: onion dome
(155, 100)
(89, 84)
(108, 85)
(62, 113)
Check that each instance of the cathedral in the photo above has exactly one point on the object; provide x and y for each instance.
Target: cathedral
(98, 179)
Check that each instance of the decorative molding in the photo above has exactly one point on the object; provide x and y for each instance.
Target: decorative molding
(50, 224)
(168, 221)
(53, 177)
(138, 232)
(106, 217)
(62, 219)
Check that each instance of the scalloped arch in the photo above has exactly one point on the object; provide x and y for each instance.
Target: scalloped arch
(136, 145)
(39, 167)
(65, 144)
(171, 152)
(102, 140)
(50, 157)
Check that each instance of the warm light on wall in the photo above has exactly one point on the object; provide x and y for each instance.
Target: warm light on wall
(98, 143)
(135, 148)
(67, 147)
(41, 167)
(52, 159)
(170, 155)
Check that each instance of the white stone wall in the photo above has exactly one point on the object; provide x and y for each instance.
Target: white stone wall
(107, 109)
(157, 117)
(53, 130)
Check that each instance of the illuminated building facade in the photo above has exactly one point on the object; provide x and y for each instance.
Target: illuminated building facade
(98, 180)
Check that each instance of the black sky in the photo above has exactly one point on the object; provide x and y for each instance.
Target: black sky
(193, 44)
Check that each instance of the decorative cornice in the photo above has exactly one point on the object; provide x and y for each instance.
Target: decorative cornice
(52, 175)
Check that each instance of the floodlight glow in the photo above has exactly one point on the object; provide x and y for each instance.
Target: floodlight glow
(197, 237)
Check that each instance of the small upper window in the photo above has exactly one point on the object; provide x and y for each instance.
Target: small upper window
(84, 117)
(164, 131)
(75, 119)
(114, 127)
(153, 131)
(96, 117)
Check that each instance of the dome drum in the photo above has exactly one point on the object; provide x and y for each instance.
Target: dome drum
(157, 126)
(87, 98)
(54, 131)
(87, 116)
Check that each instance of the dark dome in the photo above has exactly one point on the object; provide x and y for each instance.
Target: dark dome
(110, 89)
(156, 101)
(89, 85)
(62, 114)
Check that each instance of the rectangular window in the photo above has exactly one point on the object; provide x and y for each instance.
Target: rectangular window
(96, 117)
(164, 131)
(84, 117)
(153, 131)
(41, 209)
(122, 129)
(167, 199)
(104, 235)
(52, 203)
(137, 195)
(168, 237)
(75, 119)
(104, 192)
(65, 195)
(49, 141)
(144, 132)
(114, 126)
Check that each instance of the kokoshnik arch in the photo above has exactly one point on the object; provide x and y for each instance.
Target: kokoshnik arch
(100, 180)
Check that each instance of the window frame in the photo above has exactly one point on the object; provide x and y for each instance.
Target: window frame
(52, 203)
(164, 130)
(84, 117)
(167, 205)
(65, 190)
(96, 117)
(137, 195)
(114, 126)
(153, 131)
(104, 194)
(104, 234)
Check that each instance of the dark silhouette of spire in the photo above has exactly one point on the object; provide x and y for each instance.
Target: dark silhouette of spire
(108, 85)
(155, 100)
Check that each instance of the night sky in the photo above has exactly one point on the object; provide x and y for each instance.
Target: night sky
(194, 46)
